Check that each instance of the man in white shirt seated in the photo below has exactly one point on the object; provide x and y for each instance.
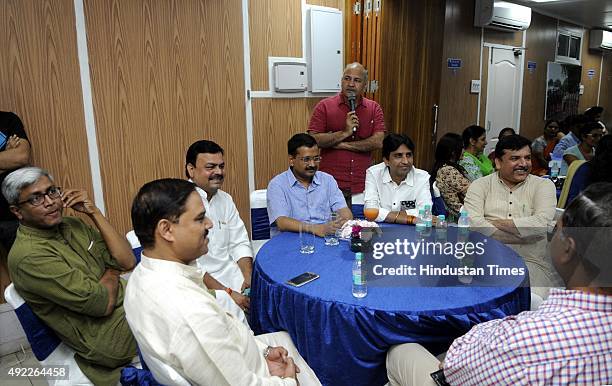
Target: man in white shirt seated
(567, 340)
(175, 320)
(395, 186)
(229, 262)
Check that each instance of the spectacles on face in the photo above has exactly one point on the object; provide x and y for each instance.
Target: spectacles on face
(595, 136)
(37, 199)
(308, 160)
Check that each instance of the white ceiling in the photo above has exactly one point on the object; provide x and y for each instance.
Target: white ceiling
(588, 13)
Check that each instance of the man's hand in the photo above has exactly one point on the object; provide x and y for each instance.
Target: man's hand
(323, 229)
(243, 302)
(13, 142)
(79, 201)
(280, 364)
(351, 122)
(245, 284)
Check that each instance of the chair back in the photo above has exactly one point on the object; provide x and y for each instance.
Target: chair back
(438, 206)
(135, 243)
(260, 225)
(357, 202)
(571, 172)
(42, 339)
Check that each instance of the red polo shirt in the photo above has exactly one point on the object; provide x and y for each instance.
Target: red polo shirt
(347, 167)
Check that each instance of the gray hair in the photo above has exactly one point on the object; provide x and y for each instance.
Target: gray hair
(359, 66)
(16, 181)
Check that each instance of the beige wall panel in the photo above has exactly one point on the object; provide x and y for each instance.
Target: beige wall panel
(541, 43)
(458, 108)
(40, 81)
(274, 122)
(514, 39)
(484, 83)
(275, 29)
(591, 60)
(164, 74)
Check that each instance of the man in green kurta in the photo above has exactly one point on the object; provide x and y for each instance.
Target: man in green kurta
(68, 272)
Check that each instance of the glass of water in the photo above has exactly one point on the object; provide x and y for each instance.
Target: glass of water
(331, 238)
(307, 238)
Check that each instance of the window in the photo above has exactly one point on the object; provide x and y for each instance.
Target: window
(569, 44)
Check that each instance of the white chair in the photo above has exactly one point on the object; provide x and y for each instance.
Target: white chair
(260, 225)
(357, 202)
(46, 346)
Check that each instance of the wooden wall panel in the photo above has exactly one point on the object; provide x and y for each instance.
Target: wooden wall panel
(410, 76)
(40, 81)
(605, 94)
(514, 39)
(458, 108)
(164, 74)
(541, 43)
(339, 4)
(591, 60)
(275, 29)
(274, 122)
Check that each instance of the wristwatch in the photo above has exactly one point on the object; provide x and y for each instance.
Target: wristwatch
(267, 352)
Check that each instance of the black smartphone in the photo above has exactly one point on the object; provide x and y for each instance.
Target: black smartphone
(302, 279)
(439, 378)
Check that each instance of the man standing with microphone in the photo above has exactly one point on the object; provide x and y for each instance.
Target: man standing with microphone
(347, 128)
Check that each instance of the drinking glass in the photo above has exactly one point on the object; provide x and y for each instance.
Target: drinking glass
(307, 238)
(370, 211)
(331, 237)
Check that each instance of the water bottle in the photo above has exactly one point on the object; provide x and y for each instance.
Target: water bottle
(441, 227)
(464, 222)
(554, 177)
(360, 286)
(427, 216)
(420, 225)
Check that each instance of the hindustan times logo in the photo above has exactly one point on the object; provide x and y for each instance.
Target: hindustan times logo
(413, 249)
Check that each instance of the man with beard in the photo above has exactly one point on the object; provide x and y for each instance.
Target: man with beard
(395, 186)
(304, 194)
(176, 321)
(515, 207)
(348, 127)
(68, 272)
(229, 262)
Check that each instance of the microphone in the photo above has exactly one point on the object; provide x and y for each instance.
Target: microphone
(351, 102)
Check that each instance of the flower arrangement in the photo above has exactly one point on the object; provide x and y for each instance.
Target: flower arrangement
(353, 228)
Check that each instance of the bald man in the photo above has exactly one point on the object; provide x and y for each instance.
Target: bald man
(348, 131)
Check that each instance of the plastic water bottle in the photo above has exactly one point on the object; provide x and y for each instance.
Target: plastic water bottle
(554, 177)
(420, 225)
(427, 217)
(360, 286)
(464, 222)
(441, 227)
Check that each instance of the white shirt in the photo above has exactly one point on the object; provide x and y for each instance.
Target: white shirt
(177, 322)
(410, 195)
(228, 240)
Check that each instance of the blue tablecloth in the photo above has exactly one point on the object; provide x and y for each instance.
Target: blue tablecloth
(344, 339)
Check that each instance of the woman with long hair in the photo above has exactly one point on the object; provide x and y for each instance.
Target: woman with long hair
(590, 133)
(543, 146)
(596, 170)
(450, 177)
(474, 161)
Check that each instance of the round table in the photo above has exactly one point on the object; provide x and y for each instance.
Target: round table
(345, 339)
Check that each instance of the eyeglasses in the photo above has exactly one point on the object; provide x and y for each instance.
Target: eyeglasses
(38, 198)
(307, 160)
(594, 135)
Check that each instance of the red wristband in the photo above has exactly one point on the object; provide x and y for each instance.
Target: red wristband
(229, 291)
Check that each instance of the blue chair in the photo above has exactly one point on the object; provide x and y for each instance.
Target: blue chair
(438, 206)
(357, 202)
(260, 224)
(46, 345)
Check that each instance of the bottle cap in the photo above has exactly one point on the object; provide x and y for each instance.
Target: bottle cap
(358, 255)
(441, 217)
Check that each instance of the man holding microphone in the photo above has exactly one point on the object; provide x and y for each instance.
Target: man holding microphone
(347, 128)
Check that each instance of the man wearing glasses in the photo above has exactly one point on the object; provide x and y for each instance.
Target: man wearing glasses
(68, 272)
(348, 127)
(303, 193)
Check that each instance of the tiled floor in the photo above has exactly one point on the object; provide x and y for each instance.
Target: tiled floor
(16, 360)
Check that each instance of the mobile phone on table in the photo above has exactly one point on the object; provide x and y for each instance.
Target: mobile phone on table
(302, 279)
(439, 378)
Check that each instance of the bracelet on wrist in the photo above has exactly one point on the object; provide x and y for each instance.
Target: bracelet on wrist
(266, 352)
(229, 291)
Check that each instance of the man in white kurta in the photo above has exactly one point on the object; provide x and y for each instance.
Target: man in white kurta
(175, 320)
(229, 259)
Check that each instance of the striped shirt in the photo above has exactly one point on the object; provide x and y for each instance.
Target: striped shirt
(568, 340)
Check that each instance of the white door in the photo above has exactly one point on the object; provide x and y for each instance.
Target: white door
(503, 93)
